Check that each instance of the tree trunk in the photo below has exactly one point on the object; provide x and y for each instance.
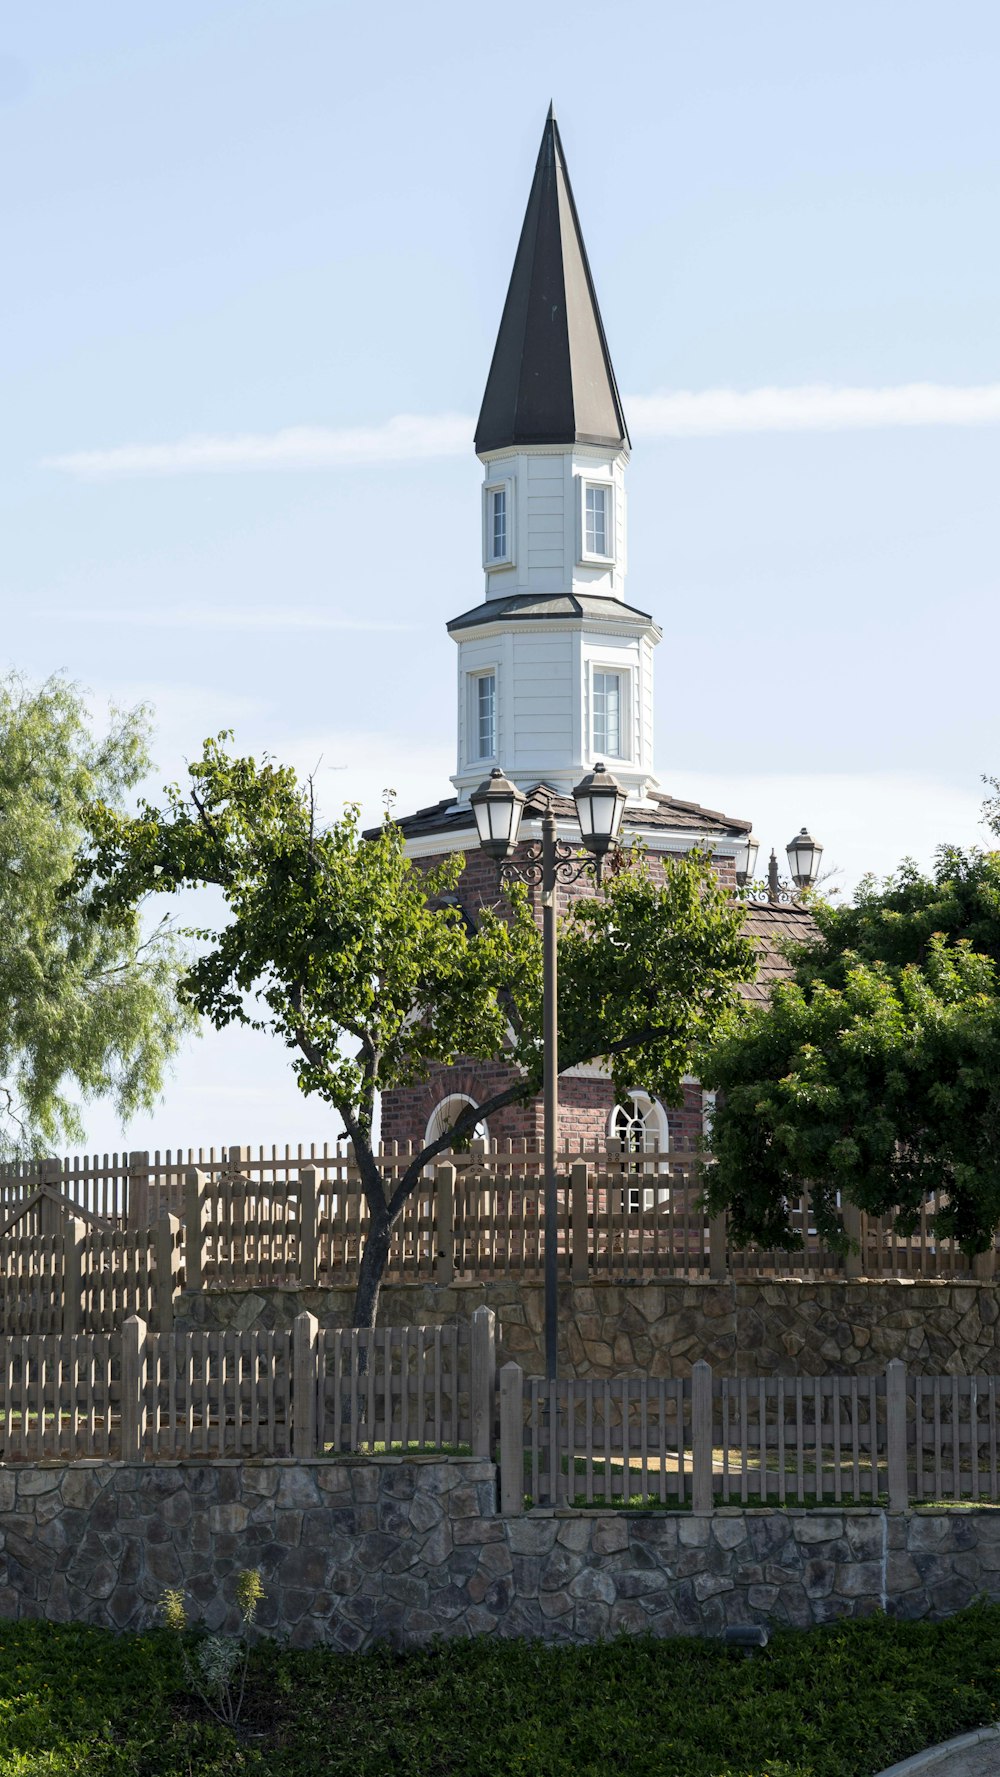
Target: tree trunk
(374, 1259)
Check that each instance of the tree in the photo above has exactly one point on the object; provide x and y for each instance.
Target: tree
(88, 1005)
(875, 1073)
(363, 965)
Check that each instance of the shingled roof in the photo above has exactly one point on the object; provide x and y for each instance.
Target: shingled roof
(768, 925)
(570, 607)
(666, 813)
(551, 380)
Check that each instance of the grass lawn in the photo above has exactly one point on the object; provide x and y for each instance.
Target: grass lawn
(838, 1702)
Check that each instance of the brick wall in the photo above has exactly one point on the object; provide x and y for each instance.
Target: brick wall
(585, 1104)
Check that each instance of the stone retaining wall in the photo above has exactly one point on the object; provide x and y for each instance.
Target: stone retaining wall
(361, 1550)
(784, 1328)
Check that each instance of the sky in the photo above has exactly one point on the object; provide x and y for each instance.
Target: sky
(255, 258)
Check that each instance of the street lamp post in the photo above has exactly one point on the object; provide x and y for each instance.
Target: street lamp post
(803, 853)
(498, 806)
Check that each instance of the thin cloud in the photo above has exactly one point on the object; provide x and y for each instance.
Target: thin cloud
(712, 413)
(401, 439)
(705, 413)
(228, 618)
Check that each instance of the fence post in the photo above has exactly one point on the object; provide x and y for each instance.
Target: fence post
(50, 1172)
(74, 1241)
(308, 1275)
(984, 1265)
(194, 1214)
(895, 1434)
(444, 1200)
(136, 1204)
(305, 1347)
(483, 1381)
(854, 1259)
(512, 1440)
(701, 1439)
(578, 1221)
(718, 1239)
(165, 1268)
(133, 1388)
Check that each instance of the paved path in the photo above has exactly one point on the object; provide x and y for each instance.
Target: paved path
(977, 1758)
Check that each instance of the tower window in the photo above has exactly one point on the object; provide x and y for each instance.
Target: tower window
(498, 524)
(608, 722)
(484, 715)
(596, 535)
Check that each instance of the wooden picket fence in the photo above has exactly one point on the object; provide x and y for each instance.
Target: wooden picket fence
(84, 1242)
(87, 1278)
(708, 1441)
(140, 1395)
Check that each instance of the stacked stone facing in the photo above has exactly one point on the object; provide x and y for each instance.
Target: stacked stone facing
(353, 1552)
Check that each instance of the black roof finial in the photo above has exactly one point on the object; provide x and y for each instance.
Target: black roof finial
(551, 380)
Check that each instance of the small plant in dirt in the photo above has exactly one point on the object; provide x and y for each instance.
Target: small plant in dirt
(218, 1672)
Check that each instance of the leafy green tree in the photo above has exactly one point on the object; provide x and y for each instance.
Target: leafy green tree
(364, 966)
(875, 1073)
(88, 1005)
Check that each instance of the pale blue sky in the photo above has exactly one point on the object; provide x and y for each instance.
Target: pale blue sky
(228, 220)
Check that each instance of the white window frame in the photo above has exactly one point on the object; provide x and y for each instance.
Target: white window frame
(443, 1117)
(652, 1159)
(475, 757)
(608, 488)
(504, 485)
(625, 675)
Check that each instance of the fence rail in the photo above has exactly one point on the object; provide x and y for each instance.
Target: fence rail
(715, 1440)
(143, 1395)
(694, 1443)
(82, 1241)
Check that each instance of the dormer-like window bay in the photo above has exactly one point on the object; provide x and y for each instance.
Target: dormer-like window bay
(498, 517)
(498, 524)
(483, 715)
(597, 520)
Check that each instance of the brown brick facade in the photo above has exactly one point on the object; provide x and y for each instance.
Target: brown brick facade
(585, 1104)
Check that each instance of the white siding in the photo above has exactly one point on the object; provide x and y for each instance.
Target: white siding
(544, 667)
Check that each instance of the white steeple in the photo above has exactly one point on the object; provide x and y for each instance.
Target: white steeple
(555, 670)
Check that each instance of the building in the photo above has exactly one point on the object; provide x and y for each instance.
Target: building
(554, 666)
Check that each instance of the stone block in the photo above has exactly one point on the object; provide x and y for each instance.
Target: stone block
(591, 1620)
(762, 1598)
(297, 1489)
(858, 1579)
(864, 1536)
(818, 1527)
(562, 1566)
(425, 1511)
(531, 1536)
(610, 1536)
(574, 1533)
(303, 1568)
(729, 1532)
(707, 1585)
(593, 1583)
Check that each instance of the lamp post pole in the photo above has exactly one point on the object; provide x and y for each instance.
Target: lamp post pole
(550, 1102)
(498, 806)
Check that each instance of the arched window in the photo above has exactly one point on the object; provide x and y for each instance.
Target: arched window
(640, 1125)
(444, 1115)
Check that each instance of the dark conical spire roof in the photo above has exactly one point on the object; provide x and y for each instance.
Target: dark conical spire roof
(551, 380)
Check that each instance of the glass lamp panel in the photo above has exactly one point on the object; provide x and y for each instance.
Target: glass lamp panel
(804, 854)
(497, 806)
(746, 858)
(600, 804)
